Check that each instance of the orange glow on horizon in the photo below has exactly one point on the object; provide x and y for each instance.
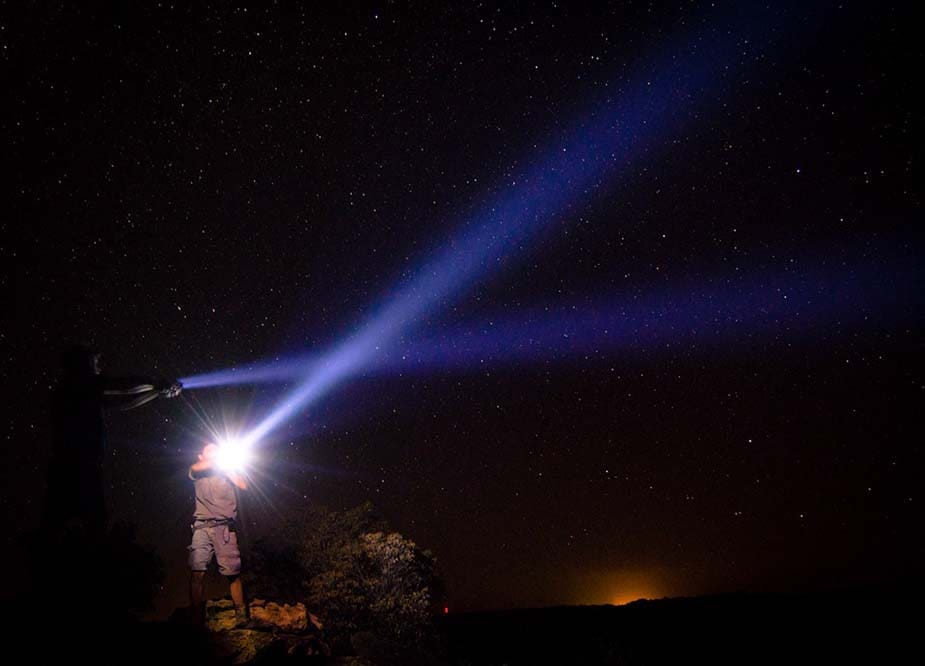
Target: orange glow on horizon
(622, 587)
(628, 596)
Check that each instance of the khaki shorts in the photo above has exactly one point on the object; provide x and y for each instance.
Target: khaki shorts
(216, 540)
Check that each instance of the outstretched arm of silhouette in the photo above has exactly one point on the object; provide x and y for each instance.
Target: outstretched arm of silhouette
(144, 390)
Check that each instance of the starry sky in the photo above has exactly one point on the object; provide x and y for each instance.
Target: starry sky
(199, 188)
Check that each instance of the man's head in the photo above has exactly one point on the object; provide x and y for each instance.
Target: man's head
(210, 452)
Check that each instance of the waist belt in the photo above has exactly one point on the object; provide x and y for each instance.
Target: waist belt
(199, 523)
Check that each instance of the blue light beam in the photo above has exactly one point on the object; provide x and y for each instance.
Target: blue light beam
(268, 372)
(804, 301)
(661, 98)
(721, 315)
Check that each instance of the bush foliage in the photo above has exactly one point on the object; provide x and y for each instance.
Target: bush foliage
(350, 569)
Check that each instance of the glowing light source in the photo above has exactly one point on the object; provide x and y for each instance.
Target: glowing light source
(233, 454)
(625, 597)
(624, 586)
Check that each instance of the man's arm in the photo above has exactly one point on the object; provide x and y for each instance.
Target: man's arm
(117, 390)
(197, 468)
(115, 386)
(237, 480)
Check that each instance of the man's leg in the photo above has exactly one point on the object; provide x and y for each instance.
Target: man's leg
(228, 557)
(237, 592)
(196, 584)
(242, 614)
(200, 552)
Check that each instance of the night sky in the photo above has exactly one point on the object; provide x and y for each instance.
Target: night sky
(194, 189)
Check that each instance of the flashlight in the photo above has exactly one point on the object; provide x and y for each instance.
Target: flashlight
(233, 455)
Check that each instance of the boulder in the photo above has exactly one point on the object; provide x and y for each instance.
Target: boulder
(220, 615)
(275, 631)
(287, 618)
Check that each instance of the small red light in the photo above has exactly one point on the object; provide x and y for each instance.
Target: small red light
(446, 610)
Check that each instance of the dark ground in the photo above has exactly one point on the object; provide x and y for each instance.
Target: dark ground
(871, 626)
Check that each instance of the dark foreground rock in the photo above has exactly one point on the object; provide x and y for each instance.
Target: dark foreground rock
(275, 632)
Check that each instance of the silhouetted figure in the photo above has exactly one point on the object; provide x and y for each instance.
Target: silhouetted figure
(108, 574)
(74, 497)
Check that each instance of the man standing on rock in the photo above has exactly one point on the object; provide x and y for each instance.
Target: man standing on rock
(214, 531)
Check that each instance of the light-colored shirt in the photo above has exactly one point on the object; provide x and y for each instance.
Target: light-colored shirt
(215, 497)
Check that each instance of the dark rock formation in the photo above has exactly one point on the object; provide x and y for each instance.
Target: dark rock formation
(276, 631)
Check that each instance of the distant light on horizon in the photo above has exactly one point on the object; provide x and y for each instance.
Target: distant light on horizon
(625, 597)
(619, 588)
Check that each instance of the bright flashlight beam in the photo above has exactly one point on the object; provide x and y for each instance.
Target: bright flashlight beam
(803, 301)
(270, 372)
(637, 117)
(731, 313)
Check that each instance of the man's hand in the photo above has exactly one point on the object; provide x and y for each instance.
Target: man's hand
(173, 390)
